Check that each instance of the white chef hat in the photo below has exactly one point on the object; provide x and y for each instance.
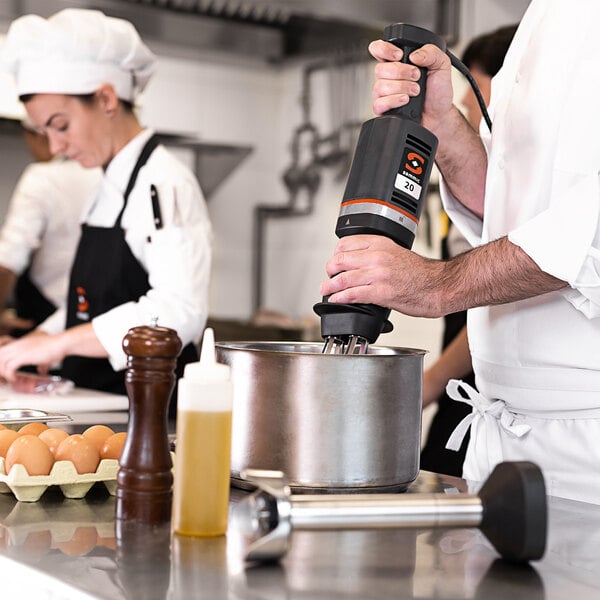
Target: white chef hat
(75, 51)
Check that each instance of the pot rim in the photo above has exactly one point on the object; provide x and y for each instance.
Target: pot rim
(270, 346)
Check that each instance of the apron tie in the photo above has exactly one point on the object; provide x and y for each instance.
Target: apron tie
(486, 420)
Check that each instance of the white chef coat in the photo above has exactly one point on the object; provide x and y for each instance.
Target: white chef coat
(176, 257)
(41, 229)
(540, 358)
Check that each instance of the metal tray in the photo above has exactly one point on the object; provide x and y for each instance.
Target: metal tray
(10, 416)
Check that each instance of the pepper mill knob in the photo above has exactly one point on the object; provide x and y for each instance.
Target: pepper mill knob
(145, 481)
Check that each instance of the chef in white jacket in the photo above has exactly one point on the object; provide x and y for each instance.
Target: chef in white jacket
(144, 251)
(527, 197)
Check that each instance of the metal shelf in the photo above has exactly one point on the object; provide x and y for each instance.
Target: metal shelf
(213, 162)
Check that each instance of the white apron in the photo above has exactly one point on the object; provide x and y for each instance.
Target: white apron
(508, 433)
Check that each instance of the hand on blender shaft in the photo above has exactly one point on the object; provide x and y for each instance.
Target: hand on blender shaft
(373, 269)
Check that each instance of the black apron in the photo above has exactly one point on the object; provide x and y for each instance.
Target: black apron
(106, 274)
(30, 303)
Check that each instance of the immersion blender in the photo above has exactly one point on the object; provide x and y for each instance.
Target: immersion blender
(385, 192)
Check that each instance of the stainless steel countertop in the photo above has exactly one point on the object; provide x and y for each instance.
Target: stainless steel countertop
(68, 549)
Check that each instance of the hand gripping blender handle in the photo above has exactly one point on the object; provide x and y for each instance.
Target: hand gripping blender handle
(409, 38)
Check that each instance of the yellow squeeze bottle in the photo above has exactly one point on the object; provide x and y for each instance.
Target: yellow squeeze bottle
(203, 450)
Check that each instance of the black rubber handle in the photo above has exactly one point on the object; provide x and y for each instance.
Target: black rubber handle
(515, 513)
(409, 38)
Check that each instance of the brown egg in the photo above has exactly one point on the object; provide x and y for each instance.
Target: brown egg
(33, 429)
(81, 452)
(113, 446)
(53, 437)
(7, 437)
(29, 451)
(98, 434)
(83, 540)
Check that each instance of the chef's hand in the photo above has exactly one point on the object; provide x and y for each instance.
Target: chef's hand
(36, 348)
(395, 82)
(372, 269)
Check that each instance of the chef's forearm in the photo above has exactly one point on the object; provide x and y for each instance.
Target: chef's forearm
(453, 363)
(495, 273)
(80, 340)
(462, 161)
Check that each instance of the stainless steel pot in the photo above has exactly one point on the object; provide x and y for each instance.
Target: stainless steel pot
(329, 422)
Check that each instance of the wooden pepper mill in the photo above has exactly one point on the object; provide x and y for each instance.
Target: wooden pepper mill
(145, 481)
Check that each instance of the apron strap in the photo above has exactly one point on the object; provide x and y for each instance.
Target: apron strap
(147, 150)
(486, 421)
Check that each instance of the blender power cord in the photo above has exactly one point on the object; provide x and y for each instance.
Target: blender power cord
(460, 66)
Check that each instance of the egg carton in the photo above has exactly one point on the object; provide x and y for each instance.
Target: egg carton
(29, 488)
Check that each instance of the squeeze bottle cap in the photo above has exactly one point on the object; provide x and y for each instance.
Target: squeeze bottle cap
(207, 369)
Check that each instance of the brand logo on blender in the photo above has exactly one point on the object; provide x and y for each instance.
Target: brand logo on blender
(82, 304)
(414, 163)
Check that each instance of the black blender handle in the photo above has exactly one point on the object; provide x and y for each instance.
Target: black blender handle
(515, 512)
(409, 38)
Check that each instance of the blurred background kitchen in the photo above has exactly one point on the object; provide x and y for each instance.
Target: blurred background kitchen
(263, 99)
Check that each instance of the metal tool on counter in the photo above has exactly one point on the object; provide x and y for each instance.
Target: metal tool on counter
(22, 416)
(385, 192)
(510, 510)
(34, 383)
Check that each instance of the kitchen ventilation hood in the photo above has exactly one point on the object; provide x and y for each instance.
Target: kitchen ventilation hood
(269, 30)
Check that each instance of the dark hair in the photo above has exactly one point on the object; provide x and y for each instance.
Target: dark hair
(487, 51)
(85, 98)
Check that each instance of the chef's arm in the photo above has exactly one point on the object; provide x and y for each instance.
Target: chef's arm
(372, 269)
(44, 349)
(496, 273)
(453, 363)
(462, 161)
(82, 341)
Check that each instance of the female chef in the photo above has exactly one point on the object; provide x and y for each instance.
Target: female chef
(144, 251)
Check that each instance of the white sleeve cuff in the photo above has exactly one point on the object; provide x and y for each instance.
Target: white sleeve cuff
(469, 224)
